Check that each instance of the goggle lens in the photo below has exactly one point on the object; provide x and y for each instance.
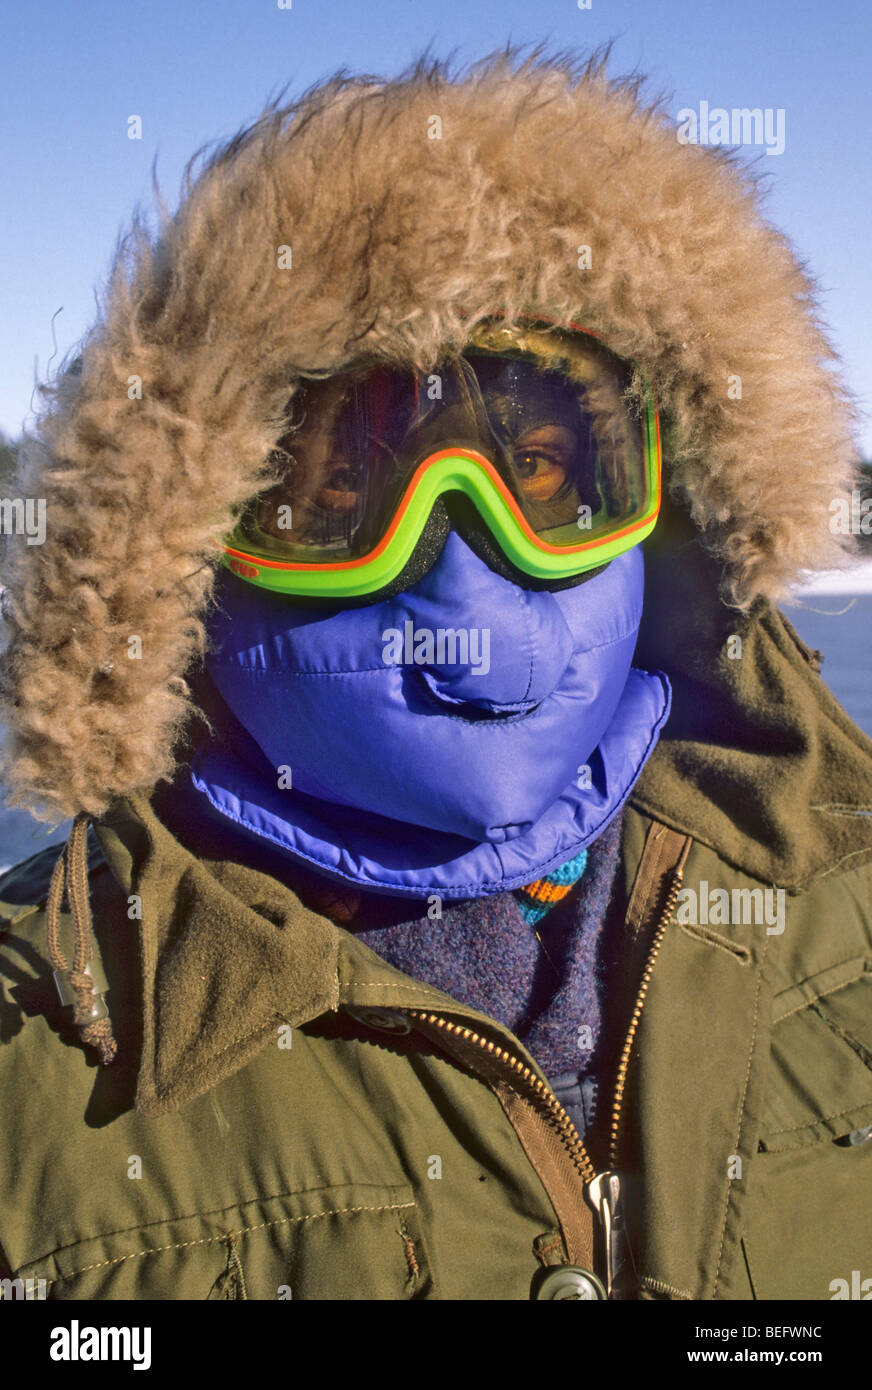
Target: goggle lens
(569, 451)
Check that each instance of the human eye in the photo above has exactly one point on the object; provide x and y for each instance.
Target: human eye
(543, 461)
(341, 488)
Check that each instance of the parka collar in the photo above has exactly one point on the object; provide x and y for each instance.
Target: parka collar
(228, 956)
(225, 956)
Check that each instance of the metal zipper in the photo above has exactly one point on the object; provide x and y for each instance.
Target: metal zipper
(568, 1133)
(607, 1191)
(623, 1064)
(605, 1196)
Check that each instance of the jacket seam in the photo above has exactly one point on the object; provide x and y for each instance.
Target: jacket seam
(823, 994)
(821, 1119)
(258, 1028)
(751, 1052)
(25, 910)
(165, 1092)
(805, 884)
(212, 1213)
(208, 1240)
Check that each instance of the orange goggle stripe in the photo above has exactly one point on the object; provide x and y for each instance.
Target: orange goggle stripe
(504, 493)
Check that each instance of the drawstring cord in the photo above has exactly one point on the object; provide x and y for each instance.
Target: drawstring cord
(77, 984)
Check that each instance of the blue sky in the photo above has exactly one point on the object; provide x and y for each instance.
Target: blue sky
(195, 70)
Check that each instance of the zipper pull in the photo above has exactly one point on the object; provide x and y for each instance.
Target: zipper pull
(606, 1195)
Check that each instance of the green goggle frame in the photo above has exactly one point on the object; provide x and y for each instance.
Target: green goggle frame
(463, 470)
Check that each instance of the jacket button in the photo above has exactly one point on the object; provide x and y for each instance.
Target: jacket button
(568, 1281)
(385, 1020)
(860, 1136)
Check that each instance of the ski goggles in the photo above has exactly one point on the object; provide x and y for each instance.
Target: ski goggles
(553, 439)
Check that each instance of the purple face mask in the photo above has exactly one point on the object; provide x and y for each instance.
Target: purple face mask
(462, 738)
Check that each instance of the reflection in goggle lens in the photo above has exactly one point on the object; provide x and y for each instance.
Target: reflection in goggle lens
(562, 448)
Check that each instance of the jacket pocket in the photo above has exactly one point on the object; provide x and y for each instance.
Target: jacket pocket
(820, 1082)
(808, 1226)
(345, 1243)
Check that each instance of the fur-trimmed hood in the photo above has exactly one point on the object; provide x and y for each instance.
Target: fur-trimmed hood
(390, 218)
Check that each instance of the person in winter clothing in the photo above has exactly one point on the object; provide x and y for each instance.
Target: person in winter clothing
(468, 895)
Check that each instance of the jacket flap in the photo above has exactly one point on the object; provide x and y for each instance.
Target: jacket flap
(227, 954)
(821, 1082)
